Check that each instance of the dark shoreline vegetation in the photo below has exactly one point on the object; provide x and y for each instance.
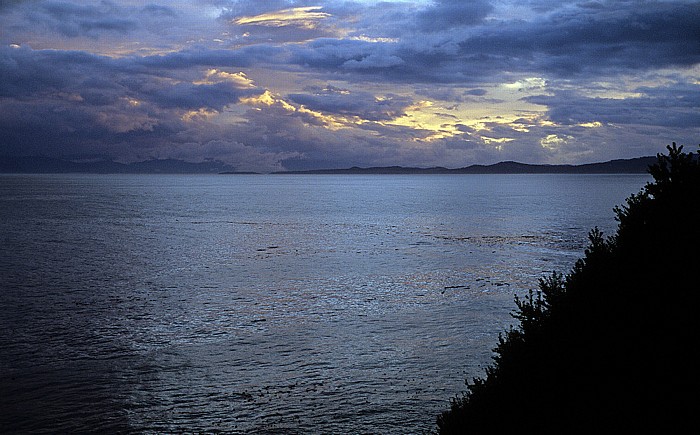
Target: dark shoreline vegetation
(46, 165)
(609, 347)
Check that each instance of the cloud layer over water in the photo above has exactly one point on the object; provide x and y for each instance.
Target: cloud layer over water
(305, 84)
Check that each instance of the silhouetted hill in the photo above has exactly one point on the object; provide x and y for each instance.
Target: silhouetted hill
(371, 170)
(157, 166)
(639, 165)
(171, 166)
(609, 348)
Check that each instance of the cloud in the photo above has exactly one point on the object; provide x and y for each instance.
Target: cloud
(526, 84)
(447, 14)
(373, 61)
(203, 57)
(159, 11)
(277, 22)
(239, 79)
(28, 72)
(9, 4)
(100, 26)
(676, 105)
(100, 80)
(305, 17)
(573, 40)
(326, 83)
(74, 20)
(364, 105)
(476, 92)
(188, 96)
(612, 37)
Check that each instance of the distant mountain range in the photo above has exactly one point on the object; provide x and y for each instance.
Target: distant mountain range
(637, 165)
(48, 165)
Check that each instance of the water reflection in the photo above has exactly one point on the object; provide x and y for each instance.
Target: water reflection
(269, 304)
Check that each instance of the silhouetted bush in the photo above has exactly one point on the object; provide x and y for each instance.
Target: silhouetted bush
(611, 346)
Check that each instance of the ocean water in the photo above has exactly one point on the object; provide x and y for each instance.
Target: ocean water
(270, 303)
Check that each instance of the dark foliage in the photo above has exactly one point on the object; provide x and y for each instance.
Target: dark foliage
(609, 348)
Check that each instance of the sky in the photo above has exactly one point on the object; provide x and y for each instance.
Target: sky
(281, 84)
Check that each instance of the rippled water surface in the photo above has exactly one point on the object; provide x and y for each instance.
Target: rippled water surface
(269, 304)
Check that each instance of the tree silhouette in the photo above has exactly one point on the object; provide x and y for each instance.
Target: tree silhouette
(611, 345)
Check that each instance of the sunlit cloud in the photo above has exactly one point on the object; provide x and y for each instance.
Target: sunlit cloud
(365, 38)
(497, 140)
(199, 115)
(553, 141)
(240, 79)
(527, 84)
(594, 124)
(270, 100)
(304, 17)
(428, 121)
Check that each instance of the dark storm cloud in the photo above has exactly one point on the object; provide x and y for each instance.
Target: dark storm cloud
(332, 54)
(450, 94)
(388, 61)
(592, 39)
(159, 10)
(47, 22)
(204, 57)
(101, 80)
(364, 105)
(27, 72)
(75, 20)
(446, 14)
(195, 96)
(53, 102)
(62, 127)
(476, 92)
(376, 19)
(666, 106)
(581, 39)
(584, 39)
(8, 4)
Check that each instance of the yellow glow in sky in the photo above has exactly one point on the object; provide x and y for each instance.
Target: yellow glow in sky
(268, 99)
(553, 141)
(199, 115)
(306, 17)
(594, 124)
(526, 84)
(217, 76)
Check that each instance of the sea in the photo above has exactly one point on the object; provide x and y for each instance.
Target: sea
(280, 304)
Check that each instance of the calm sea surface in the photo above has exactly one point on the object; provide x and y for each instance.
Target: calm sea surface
(269, 304)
